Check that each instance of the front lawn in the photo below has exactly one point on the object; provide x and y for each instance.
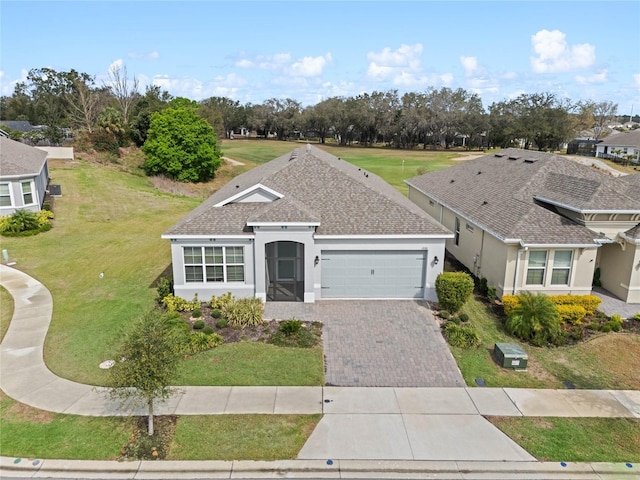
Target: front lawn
(6, 312)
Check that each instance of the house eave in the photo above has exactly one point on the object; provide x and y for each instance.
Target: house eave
(169, 236)
(559, 245)
(385, 237)
(283, 224)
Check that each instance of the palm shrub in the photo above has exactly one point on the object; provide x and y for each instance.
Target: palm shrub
(535, 319)
(244, 312)
(462, 336)
(25, 222)
(453, 290)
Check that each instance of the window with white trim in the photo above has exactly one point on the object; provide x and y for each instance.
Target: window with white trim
(27, 193)
(5, 195)
(561, 272)
(536, 267)
(213, 264)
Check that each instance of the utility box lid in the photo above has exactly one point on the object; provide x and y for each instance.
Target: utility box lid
(55, 190)
(510, 355)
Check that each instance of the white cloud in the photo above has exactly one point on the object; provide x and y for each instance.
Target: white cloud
(636, 80)
(180, 87)
(470, 65)
(144, 56)
(553, 54)
(116, 65)
(244, 63)
(310, 66)
(8, 86)
(264, 62)
(595, 78)
(401, 62)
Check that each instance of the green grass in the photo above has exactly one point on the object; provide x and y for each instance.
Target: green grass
(575, 439)
(6, 311)
(248, 363)
(607, 361)
(30, 433)
(106, 221)
(233, 437)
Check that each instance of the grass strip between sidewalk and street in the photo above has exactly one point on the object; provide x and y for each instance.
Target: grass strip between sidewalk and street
(554, 439)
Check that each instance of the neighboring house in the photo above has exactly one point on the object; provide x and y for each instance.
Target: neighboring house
(303, 227)
(24, 176)
(538, 222)
(22, 126)
(621, 145)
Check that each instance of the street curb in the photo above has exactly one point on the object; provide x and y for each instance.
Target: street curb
(97, 469)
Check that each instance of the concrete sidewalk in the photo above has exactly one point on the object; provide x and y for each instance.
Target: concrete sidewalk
(359, 423)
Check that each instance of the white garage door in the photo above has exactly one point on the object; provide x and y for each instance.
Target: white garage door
(373, 274)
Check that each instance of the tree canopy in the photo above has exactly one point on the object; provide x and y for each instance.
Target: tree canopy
(181, 144)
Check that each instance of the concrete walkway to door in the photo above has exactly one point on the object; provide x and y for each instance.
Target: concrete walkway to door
(377, 343)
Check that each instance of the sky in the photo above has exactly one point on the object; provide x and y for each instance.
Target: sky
(310, 50)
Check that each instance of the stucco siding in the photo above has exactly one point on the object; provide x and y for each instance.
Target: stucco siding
(620, 270)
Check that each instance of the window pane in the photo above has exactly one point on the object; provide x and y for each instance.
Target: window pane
(213, 255)
(562, 258)
(215, 274)
(4, 189)
(560, 276)
(235, 255)
(5, 201)
(538, 259)
(535, 276)
(26, 187)
(192, 255)
(193, 274)
(235, 273)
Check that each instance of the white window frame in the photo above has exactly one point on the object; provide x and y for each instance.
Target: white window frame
(9, 194)
(203, 266)
(32, 192)
(542, 268)
(562, 268)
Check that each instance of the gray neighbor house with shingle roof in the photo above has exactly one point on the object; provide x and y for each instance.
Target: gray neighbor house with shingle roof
(303, 227)
(539, 222)
(24, 176)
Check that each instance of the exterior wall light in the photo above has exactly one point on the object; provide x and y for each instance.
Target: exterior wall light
(316, 261)
(435, 260)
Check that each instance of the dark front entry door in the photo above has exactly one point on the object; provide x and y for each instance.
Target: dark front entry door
(285, 271)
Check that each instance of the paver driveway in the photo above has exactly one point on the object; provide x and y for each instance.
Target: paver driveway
(378, 343)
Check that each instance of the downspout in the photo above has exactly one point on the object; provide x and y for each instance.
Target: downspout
(515, 275)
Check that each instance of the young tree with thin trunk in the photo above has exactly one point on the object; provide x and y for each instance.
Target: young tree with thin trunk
(147, 362)
(123, 89)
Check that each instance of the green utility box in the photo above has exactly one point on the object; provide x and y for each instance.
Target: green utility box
(510, 355)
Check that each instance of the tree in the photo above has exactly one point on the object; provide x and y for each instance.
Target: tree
(149, 358)
(124, 90)
(603, 114)
(221, 110)
(153, 100)
(181, 145)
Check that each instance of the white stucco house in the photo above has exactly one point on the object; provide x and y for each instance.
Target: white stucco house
(303, 227)
(24, 176)
(621, 145)
(538, 222)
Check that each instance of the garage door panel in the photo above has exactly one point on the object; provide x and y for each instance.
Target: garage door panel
(373, 274)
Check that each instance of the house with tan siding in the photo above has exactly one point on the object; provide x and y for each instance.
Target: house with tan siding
(538, 222)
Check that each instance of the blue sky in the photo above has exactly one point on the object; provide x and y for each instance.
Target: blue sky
(309, 51)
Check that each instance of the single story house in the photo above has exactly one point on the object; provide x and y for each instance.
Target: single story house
(24, 176)
(539, 222)
(620, 145)
(303, 227)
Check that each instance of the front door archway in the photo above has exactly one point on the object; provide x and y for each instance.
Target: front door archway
(284, 271)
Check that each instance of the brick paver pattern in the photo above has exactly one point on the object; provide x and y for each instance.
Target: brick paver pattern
(377, 343)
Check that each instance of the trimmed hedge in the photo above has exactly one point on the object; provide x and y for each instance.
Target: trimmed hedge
(572, 314)
(453, 290)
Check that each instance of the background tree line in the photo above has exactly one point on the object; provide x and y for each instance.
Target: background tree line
(116, 113)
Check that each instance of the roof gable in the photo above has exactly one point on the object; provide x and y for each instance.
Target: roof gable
(255, 194)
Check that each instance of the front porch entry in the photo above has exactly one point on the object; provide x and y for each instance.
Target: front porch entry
(284, 271)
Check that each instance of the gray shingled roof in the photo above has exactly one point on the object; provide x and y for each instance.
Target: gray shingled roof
(623, 139)
(513, 196)
(18, 159)
(317, 187)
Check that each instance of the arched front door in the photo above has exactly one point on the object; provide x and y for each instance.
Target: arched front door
(284, 271)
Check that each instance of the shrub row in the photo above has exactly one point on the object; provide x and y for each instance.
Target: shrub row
(572, 308)
(24, 223)
(238, 313)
